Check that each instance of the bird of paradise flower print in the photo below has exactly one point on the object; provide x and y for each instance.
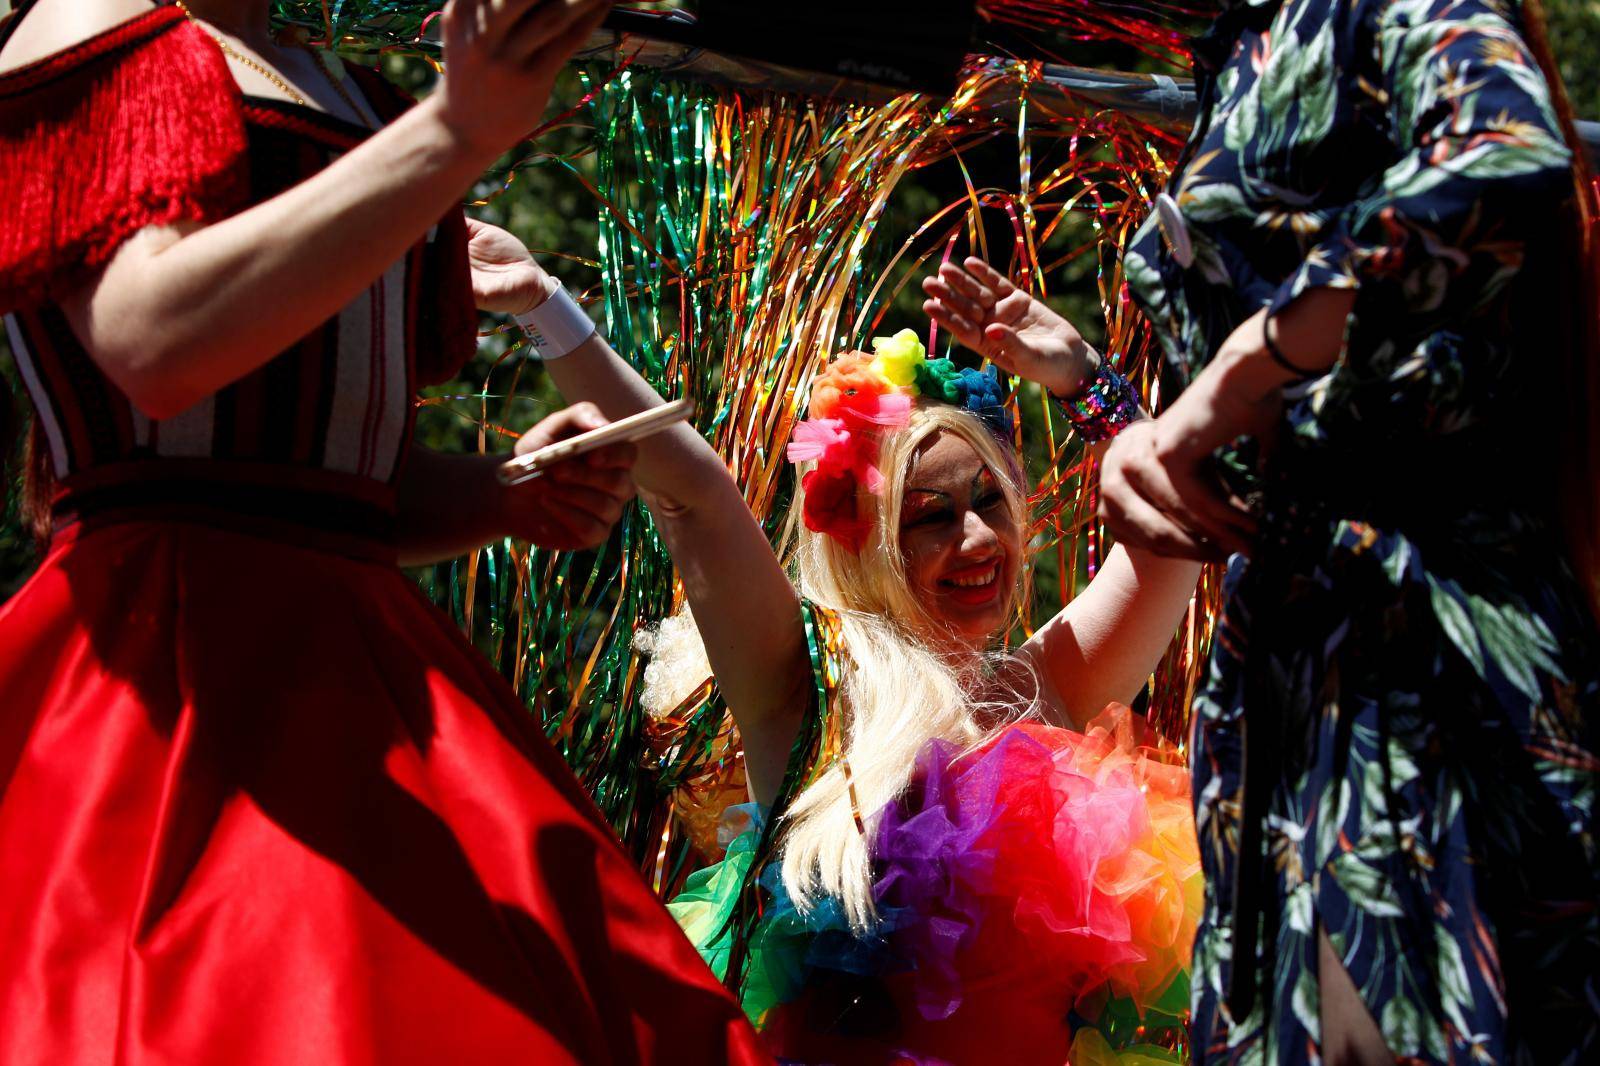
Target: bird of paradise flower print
(1396, 742)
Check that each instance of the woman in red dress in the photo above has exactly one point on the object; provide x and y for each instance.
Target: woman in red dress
(258, 801)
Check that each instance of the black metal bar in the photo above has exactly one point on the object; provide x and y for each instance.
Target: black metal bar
(663, 43)
(903, 45)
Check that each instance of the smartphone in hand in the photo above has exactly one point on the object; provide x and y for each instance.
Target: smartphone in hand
(634, 427)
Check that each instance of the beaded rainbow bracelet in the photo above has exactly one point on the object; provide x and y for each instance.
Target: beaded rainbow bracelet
(1107, 404)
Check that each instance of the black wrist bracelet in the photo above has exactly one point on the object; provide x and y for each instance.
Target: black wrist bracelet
(1282, 360)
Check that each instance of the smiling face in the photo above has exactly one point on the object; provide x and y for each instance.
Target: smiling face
(960, 541)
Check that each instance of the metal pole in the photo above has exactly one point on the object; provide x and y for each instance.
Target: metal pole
(1153, 98)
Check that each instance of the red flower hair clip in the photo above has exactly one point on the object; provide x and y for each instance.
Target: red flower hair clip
(852, 402)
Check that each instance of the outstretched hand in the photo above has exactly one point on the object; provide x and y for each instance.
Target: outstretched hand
(1007, 326)
(574, 503)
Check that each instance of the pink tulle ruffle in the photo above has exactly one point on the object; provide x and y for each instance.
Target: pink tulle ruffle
(1084, 841)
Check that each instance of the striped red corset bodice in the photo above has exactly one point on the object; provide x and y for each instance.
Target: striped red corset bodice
(339, 400)
(336, 404)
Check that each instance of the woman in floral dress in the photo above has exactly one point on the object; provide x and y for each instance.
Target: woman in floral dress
(1365, 266)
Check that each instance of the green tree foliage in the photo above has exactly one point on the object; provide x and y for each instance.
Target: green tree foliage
(1575, 40)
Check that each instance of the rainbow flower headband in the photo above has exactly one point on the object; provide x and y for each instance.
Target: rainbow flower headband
(853, 402)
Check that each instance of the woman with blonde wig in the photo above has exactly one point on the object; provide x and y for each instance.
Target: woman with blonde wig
(987, 858)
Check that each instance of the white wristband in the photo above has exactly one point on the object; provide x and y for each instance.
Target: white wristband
(557, 326)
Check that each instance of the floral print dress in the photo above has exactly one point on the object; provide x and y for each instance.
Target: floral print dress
(1396, 742)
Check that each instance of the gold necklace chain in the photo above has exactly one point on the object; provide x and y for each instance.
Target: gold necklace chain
(272, 76)
(244, 60)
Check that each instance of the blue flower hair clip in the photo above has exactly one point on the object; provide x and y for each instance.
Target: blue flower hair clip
(977, 391)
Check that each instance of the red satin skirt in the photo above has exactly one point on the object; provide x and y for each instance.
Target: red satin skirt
(262, 803)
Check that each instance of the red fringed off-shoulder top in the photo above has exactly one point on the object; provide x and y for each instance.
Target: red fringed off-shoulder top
(143, 126)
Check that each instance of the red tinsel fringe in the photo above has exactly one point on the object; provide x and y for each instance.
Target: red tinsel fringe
(135, 127)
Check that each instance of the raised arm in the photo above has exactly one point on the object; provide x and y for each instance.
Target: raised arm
(744, 605)
(1104, 644)
(182, 311)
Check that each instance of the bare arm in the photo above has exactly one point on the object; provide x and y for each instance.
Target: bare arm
(1157, 487)
(429, 529)
(181, 312)
(747, 611)
(1104, 644)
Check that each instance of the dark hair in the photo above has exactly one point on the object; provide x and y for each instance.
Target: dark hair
(25, 468)
(1577, 441)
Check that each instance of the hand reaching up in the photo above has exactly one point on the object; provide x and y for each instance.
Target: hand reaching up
(1007, 326)
(501, 59)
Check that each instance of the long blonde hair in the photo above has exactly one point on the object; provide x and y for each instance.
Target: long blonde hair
(901, 686)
